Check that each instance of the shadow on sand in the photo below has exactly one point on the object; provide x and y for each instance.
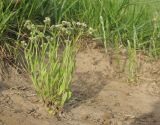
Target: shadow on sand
(85, 86)
(152, 118)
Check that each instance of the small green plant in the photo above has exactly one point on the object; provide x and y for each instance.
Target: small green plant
(50, 55)
(104, 33)
(131, 63)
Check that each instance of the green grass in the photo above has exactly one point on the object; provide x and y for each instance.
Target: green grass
(120, 18)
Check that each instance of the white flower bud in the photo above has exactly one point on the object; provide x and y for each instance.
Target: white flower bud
(47, 20)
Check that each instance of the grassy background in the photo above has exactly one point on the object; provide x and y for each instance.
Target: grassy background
(116, 21)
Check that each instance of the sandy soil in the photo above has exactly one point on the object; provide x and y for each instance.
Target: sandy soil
(101, 95)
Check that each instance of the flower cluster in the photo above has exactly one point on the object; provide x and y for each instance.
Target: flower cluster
(23, 43)
(28, 24)
(47, 21)
(64, 31)
(80, 25)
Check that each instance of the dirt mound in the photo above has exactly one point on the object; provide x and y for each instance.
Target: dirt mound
(101, 96)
